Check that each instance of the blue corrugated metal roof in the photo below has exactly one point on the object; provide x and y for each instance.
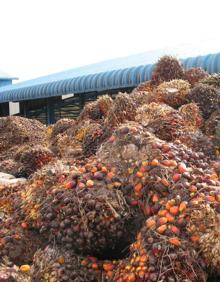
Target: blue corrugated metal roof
(113, 74)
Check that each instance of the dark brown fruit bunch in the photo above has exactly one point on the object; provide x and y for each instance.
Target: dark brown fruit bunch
(207, 97)
(194, 75)
(55, 264)
(212, 124)
(212, 80)
(89, 221)
(166, 69)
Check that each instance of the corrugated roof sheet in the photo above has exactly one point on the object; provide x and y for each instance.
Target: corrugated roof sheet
(112, 74)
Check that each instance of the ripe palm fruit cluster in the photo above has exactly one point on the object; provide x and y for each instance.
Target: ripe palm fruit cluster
(213, 80)
(166, 69)
(192, 115)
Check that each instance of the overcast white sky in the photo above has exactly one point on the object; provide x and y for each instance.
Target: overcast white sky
(39, 37)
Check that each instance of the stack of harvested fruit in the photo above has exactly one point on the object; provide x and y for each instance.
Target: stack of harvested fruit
(129, 191)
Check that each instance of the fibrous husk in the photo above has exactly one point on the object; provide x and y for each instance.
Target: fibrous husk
(92, 222)
(146, 87)
(16, 131)
(212, 80)
(207, 97)
(174, 92)
(166, 69)
(152, 111)
(12, 167)
(198, 142)
(124, 109)
(55, 264)
(194, 75)
(192, 115)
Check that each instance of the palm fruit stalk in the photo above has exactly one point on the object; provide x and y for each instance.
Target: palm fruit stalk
(195, 75)
(166, 69)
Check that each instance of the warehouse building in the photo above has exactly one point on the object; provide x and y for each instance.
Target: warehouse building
(64, 94)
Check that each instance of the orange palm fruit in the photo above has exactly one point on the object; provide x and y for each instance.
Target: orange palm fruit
(163, 220)
(182, 206)
(182, 168)
(170, 217)
(162, 212)
(161, 229)
(195, 238)
(165, 182)
(174, 210)
(155, 198)
(155, 162)
(218, 198)
(151, 223)
(108, 266)
(176, 177)
(175, 241)
(138, 187)
(175, 229)
(210, 199)
(139, 174)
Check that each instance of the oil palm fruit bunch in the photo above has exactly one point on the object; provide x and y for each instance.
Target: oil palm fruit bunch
(129, 143)
(192, 115)
(149, 112)
(212, 124)
(198, 142)
(174, 92)
(124, 109)
(166, 69)
(62, 125)
(212, 80)
(168, 127)
(207, 97)
(56, 264)
(194, 75)
(33, 158)
(105, 103)
(90, 111)
(92, 139)
(90, 221)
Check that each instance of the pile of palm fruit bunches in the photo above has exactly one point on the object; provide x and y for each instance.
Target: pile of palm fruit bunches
(130, 191)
